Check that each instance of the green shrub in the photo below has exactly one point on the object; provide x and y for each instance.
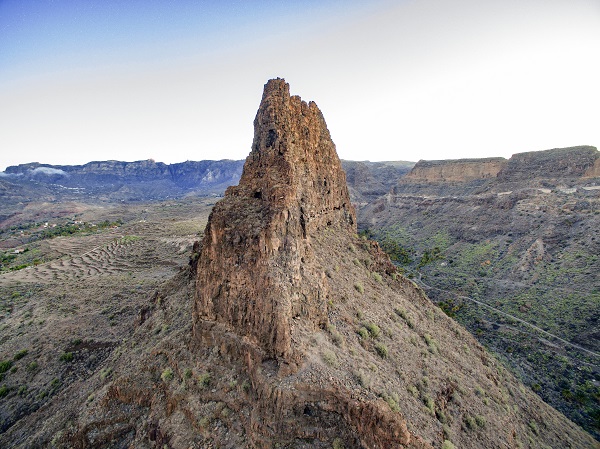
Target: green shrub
(413, 390)
(393, 401)
(363, 332)
(534, 428)
(470, 422)
(5, 365)
(430, 404)
(377, 276)
(337, 338)
(364, 379)
(373, 329)
(3, 391)
(19, 355)
(337, 444)
(32, 366)
(187, 373)
(167, 374)
(431, 343)
(480, 420)
(329, 357)
(400, 312)
(359, 287)
(105, 372)
(204, 380)
(66, 357)
(448, 445)
(382, 350)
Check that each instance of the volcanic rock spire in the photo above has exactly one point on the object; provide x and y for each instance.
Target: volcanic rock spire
(254, 274)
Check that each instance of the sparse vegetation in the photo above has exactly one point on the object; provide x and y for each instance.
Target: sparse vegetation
(32, 366)
(66, 357)
(20, 354)
(167, 375)
(329, 357)
(105, 373)
(382, 350)
(448, 445)
(204, 380)
(5, 365)
(336, 337)
(470, 422)
(359, 287)
(363, 333)
(337, 444)
(373, 329)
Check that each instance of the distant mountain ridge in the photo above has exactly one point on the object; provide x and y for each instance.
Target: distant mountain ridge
(535, 169)
(140, 180)
(149, 180)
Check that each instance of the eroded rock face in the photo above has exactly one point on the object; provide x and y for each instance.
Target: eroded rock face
(250, 275)
(571, 162)
(259, 291)
(461, 170)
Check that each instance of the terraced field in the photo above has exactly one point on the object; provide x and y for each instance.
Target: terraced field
(63, 317)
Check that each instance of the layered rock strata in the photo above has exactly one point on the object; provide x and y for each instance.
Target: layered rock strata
(460, 170)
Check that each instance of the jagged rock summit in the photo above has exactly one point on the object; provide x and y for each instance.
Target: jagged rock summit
(260, 293)
(251, 272)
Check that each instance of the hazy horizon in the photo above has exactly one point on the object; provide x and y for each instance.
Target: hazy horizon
(408, 80)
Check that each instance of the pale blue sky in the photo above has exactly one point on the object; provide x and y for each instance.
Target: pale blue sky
(181, 80)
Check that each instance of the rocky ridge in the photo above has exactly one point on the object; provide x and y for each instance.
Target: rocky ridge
(122, 181)
(566, 167)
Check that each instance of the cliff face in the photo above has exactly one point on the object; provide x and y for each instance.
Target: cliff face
(369, 180)
(537, 169)
(571, 162)
(259, 234)
(461, 170)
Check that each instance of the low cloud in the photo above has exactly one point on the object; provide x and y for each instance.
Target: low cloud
(48, 171)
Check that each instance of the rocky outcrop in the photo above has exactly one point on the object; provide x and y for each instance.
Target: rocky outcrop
(271, 277)
(573, 162)
(259, 234)
(459, 170)
(258, 288)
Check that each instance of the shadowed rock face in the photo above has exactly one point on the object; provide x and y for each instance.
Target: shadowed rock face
(251, 274)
